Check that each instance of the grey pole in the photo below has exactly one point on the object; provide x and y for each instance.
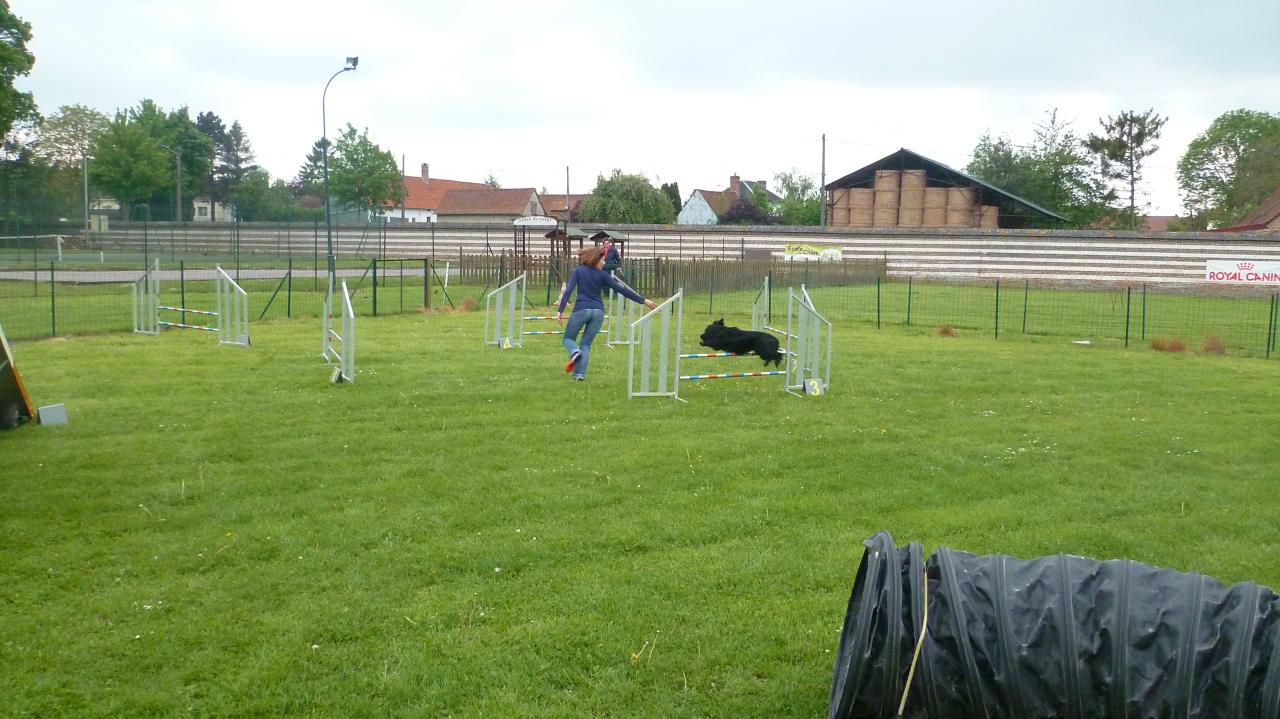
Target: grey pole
(324, 140)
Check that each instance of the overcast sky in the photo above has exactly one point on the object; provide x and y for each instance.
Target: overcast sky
(685, 91)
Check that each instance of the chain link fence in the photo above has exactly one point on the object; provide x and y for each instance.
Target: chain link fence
(84, 294)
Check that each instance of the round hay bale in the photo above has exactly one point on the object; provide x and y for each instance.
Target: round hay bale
(935, 197)
(886, 198)
(960, 198)
(913, 198)
(910, 216)
(885, 216)
(960, 218)
(934, 217)
(990, 217)
(913, 180)
(860, 216)
(888, 180)
(863, 197)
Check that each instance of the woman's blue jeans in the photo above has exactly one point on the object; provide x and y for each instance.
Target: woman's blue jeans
(588, 322)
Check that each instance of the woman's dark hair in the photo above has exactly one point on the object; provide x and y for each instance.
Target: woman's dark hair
(591, 256)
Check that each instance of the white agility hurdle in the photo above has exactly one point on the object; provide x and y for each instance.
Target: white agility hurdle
(504, 314)
(809, 372)
(340, 349)
(230, 320)
(657, 374)
(619, 312)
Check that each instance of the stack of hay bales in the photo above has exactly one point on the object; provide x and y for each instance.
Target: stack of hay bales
(885, 212)
(961, 211)
(901, 199)
(838, 213)
(911, 199)
(935, 207)
(861, 204)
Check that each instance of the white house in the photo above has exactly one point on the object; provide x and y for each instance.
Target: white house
(204, 212)
(708, 207)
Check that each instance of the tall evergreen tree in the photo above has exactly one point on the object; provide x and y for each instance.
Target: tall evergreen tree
(212, 127)
(1127, 140)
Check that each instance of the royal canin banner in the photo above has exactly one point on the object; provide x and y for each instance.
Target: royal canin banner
(1243, 271)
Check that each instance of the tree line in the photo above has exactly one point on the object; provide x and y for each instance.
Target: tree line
(147, 158)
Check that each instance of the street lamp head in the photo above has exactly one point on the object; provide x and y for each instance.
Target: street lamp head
(353, 61)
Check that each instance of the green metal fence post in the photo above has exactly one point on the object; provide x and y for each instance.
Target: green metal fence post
(1026, 294)
(909, 291)
(806, 271)
(1144, 313)
(769, 300)
(1128, 302)
(1271, 325)
(288, 297)
(711, 298)
(182, 289)
(426, 282)
(373, 265)
(997, 309)
(53, 304)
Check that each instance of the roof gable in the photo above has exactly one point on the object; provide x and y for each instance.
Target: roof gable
(750, 186)
(719, 202)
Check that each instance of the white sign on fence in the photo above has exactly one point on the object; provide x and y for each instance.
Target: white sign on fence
(1249, 272)
(812, 251)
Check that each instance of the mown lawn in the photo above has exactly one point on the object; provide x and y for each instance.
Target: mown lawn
(465, 532)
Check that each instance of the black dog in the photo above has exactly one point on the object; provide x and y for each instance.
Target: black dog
(740, 341)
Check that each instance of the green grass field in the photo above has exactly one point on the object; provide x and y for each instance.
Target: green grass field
(465, 532)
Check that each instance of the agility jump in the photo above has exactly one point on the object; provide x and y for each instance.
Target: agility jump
(340, 349)
(504, 316)
(230, 319)
(655, 357)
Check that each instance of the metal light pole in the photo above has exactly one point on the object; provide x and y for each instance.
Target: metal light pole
(324, 140)
(177, 182)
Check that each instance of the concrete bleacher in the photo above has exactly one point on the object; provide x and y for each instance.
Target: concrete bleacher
(1057, 256)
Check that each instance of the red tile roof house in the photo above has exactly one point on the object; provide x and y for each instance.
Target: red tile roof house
(422, 196)
(554, 205)
(488, 205)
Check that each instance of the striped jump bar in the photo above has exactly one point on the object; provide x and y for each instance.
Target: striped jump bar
(184, 309)
(552, 317)
(734, 375)
(555, 332)
(189, 327)
(724, 354)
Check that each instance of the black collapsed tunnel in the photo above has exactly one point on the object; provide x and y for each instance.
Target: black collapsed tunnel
(1058, 636)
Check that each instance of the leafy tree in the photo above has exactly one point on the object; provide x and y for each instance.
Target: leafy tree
(15, 61)
(626, 199)
(1128, 139)
(672, 191)
(129, 163)
(64, 140)
(751, 209)
(801, 199)
(492, 181)
(32, 190)
(1230, 167)
(196, 149)
(258, 199)
(363, 175)
(1054, 171)
(66, 137)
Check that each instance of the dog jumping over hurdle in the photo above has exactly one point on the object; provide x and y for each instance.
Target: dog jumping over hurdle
(739, 341)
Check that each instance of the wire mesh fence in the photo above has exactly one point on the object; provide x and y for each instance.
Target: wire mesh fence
(75, 297)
